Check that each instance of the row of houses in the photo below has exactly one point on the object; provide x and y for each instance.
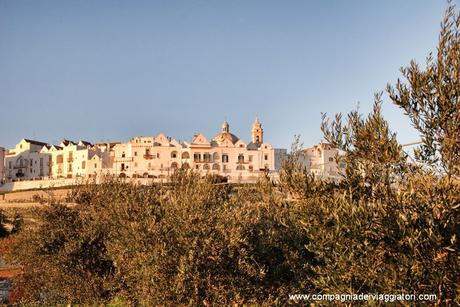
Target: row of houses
(158, 157)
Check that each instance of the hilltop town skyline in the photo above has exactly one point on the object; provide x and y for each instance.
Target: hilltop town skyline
(110, 71)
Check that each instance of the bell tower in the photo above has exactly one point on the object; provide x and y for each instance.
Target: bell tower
(257, 132)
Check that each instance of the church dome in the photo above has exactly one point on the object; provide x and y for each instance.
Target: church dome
(225, 135)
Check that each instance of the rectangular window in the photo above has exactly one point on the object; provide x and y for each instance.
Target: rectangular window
(224, 158)
(266, 157)
(83, 164)
(250, 158)
(331, 159)
(41, 161)
(10, 164)
(31, 162)
(135, 153)
(95, 165)
(60, 159)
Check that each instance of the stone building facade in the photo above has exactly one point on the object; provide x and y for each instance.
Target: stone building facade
(225, 155)
(144, 157)
(25, 161)
(321, 161)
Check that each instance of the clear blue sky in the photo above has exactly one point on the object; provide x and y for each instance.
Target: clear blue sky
(112, 70)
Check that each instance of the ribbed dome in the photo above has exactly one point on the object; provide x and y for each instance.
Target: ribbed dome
(223, 136)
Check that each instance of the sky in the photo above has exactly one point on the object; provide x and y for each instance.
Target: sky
(112, 70)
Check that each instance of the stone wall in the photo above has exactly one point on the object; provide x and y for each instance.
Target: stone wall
(37, 184)
(27, 196)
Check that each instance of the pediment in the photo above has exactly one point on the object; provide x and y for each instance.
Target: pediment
(200, 139)
(162, 139)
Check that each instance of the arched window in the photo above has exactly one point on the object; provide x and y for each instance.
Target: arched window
(174, 154)
(216, 167)
(174, 165)
(185, 155)
(185, 166)
(240, 167)
(146, 175)
(206, 167)
(215, 157)
(240, 158)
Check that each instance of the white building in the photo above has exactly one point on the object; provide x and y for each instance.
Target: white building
(26, 161)
(148, 157)
(77, 159)
(225, 155)
(320, 160)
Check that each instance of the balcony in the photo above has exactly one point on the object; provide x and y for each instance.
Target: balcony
(148, 156)
(122, 159)
(70, 159)
(19, 166)
(202, 161)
